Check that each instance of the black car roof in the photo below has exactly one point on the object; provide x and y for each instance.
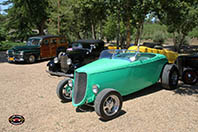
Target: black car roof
(89, 41)
(46, 36)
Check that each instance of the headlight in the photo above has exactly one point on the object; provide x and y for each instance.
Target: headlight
(69, 61)
(95, 89)
(56, 60)
(70, 83)
(21, 53)
(7, 52)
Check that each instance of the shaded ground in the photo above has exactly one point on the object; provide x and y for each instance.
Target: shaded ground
(29, 91)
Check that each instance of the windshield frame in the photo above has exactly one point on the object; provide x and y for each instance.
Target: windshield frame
(117, 53)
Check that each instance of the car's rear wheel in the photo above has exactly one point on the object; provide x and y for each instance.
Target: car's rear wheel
(170, 76)
(108, 104)
(63, 91)
(189, 77)
(31, 59)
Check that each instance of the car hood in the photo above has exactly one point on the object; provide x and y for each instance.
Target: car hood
(26, 47)
(103, 65)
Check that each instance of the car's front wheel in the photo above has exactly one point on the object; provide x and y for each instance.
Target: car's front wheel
(170, 76)
(108, 104)
(189, 77)
(63, 91)
(31, 59)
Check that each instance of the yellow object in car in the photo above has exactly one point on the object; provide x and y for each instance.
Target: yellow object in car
(110, 47)
(170, 55)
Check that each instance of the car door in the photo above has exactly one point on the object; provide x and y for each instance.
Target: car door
(53, 46)
(45, 49)
(144, 73)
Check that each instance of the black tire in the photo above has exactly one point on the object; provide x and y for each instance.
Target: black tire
(61, 91)
(31, 59)
(102, 98)
(189, 77)
(170, 76)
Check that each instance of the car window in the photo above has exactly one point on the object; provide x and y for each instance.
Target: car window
(33, 41)
(53, 41)
(46, 42)
(77, 45)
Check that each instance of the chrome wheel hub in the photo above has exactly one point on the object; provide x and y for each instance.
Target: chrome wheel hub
(67, 93)
(111, 105)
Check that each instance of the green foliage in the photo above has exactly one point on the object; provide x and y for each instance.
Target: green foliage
(77, 19)
(110, 28)
(2, 28)
(180, 17)
(193, 33)
(24, 16)
(98, 19)
(5, 45)
(159, 37)
(152, 29)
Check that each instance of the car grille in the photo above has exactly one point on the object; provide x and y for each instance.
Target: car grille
(63, 63)
(80, 87)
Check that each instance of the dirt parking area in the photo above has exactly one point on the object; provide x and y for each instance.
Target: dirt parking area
(29, 91)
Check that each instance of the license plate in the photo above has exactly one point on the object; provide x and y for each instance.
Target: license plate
(11, 59)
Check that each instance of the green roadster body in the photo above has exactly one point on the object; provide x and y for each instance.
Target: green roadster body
(116, 73)
(126, 72)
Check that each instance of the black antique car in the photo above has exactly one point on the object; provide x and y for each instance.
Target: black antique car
(188, 68)
(79, 53)
(188, 64)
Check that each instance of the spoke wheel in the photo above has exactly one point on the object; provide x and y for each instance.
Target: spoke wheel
(31, 59)
(63, 91)
(111, 105)
(189, 77)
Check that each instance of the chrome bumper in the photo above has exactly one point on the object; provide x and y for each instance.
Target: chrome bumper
(60, 74)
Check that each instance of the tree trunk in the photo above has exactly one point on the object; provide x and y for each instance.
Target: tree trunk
(93, 31)
(41, 27)
(128, 39)
(58, 24)
(139, 31)
(178, 40)
(118, 27)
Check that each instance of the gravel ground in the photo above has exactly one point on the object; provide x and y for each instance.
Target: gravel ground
(29, 91)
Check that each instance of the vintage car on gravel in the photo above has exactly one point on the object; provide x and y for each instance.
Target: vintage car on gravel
(80, 53)
(37, 48)
(188, 68)
(171, 55)
(115, 74)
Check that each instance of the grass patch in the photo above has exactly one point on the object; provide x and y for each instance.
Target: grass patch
(5, 45)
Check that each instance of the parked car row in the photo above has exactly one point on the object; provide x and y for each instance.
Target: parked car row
(99, 77)
(117, 73)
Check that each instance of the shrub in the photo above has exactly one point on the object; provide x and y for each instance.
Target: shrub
(5, 45)
(159, 37)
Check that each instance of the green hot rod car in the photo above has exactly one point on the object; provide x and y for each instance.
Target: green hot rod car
(116, 73)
